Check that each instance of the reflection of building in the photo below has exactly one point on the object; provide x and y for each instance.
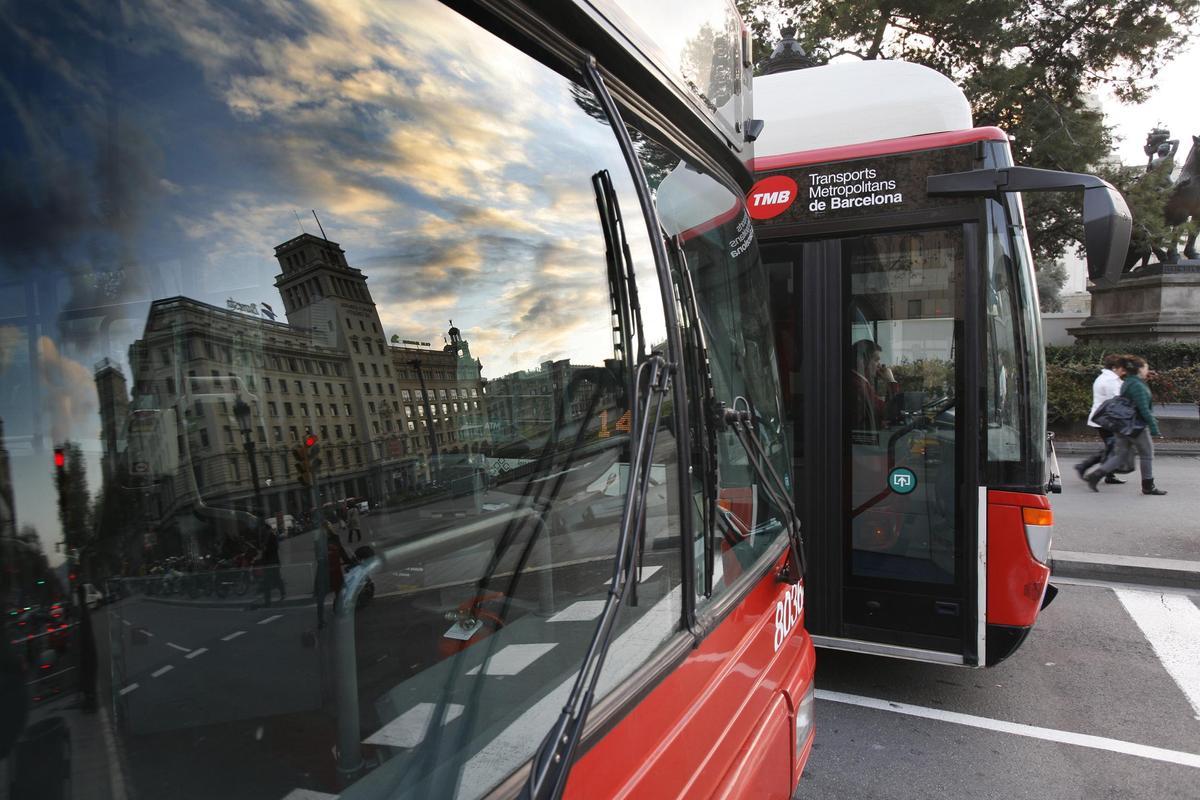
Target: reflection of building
(113, 395)
(521, 405)
(329, 371)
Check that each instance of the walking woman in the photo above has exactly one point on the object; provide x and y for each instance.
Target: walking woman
(1134, 387)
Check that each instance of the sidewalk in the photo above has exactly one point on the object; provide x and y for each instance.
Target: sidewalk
(1124, 536)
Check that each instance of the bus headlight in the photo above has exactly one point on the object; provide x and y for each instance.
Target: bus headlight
(804, 717)
(1039, 527)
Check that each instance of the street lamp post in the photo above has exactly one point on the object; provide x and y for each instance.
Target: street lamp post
(241, 412)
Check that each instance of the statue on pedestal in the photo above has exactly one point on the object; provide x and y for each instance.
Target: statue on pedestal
(1162, 205)
(1183, 206)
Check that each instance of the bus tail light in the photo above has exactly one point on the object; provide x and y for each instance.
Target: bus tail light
(1039, 527)
(805, 717)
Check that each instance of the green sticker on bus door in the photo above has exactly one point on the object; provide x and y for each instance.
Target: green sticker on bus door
(902, 480)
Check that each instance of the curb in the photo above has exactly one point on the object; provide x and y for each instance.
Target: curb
(1127, 569)
(1160, 448)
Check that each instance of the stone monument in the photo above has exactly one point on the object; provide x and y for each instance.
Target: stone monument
(1155, 300)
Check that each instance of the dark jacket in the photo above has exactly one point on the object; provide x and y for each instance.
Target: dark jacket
(1136, 390)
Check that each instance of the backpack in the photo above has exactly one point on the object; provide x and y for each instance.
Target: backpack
(1119, 415)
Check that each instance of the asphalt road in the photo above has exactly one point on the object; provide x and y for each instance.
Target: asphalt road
(1120, 520)
(226, 698)
(1088, 669)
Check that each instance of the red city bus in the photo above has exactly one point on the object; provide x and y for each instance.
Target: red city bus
(581, 574)
(909, 338)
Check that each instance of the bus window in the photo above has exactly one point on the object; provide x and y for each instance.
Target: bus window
(902, 337)
(1035, 354)
(434, 571)
(725, 270)
(1005, 370)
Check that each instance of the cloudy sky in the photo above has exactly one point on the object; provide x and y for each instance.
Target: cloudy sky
(1175, 103)
(157, 149)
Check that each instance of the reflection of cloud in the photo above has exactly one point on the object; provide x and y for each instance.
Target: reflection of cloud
(68, 392)
(453, 169)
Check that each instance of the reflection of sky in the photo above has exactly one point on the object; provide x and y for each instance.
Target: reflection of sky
(200, 135)
(166, 149)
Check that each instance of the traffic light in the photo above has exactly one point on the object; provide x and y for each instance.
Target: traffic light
(60, 459)
(303, 470)
(308, 459)
(314, 454)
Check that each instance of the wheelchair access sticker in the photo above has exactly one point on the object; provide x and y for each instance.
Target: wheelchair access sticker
(902, 480)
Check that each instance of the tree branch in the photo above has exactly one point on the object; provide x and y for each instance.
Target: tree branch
(885, 18)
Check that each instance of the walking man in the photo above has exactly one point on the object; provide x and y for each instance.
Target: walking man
(1106, 386)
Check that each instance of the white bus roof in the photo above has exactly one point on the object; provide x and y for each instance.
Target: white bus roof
(854, 102)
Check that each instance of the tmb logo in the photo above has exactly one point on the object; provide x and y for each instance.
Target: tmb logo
(771, 196)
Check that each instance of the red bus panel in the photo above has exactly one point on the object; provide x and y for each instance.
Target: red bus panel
(1016, 581)
(714, 746)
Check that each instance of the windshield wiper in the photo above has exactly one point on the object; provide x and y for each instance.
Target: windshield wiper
(741, 422)
(552, 762)
(622, 288)
(699, 373)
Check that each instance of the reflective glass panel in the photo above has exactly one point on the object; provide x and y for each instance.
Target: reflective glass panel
(902, 337)
(257, 258)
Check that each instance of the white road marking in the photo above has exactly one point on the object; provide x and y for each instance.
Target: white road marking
(128, 689)
(271, 618)
(179, 647)
(410, 728)
(1171, 623)
(514, 658)
(199, 651)
(162, 671)
(1015, 728)
(581, 611)
(232, 636)
(640, 574)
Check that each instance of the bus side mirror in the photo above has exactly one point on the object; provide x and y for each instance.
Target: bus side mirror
(1107, 222)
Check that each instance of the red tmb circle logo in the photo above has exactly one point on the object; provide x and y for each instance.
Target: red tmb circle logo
(771, 196)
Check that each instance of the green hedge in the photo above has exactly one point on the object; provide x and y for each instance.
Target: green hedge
(1162, 356)
(1071, 370)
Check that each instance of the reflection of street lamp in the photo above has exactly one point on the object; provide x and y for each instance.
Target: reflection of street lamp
(416, 364)
(241, 412)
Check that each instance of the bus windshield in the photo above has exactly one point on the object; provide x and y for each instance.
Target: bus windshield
(353, 340)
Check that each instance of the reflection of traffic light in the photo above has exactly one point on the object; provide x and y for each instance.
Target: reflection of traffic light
(303, 472)
(308, 459)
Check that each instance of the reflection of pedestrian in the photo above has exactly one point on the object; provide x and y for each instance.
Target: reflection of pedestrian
(330, 556)
(1106, 386)
(355, 524)
(271, 577)
(1134, 387)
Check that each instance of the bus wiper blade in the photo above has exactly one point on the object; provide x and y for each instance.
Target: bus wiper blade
(700, 373)
(741, 423)
(622, 289)
(552, 762)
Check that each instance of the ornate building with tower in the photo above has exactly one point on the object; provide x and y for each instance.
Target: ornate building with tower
(220, 398)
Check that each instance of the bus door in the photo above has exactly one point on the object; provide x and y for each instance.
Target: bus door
(876, 343)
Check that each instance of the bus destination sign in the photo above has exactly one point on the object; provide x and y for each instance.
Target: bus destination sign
(850, 189)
